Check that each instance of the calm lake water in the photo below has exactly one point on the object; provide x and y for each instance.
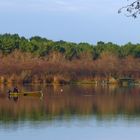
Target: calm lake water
(71, 112)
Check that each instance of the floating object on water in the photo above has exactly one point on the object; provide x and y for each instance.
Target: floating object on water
(35, 93)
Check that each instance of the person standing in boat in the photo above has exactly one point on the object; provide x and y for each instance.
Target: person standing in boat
(15, 90)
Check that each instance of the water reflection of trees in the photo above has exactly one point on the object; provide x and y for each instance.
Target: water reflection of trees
(73, 101)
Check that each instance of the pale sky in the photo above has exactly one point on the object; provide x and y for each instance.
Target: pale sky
(71, 20)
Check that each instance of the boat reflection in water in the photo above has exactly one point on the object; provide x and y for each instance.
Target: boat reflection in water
(15, 99)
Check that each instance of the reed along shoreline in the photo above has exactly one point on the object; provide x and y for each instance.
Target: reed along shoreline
(24, 68)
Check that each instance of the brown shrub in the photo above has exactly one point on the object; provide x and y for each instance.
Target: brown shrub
(25, 67)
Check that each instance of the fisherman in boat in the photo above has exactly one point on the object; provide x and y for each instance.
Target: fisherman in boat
(9, 91)
(15, 90)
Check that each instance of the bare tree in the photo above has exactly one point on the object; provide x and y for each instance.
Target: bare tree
(132, 9)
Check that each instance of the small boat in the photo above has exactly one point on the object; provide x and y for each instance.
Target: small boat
(35, 93)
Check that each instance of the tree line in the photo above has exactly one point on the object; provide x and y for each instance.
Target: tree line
(40, 60)
(42, 47)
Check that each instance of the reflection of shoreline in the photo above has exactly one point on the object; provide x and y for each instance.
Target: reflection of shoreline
(75, 101)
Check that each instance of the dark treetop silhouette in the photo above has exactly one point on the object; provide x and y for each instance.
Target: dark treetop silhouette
(132, 9)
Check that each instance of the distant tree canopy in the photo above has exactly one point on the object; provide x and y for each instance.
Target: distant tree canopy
(132, 9)
(42, 47)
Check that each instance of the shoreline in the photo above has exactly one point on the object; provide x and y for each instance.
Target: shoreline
(58, 81)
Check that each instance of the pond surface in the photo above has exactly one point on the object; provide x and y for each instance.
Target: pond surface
(71, 112)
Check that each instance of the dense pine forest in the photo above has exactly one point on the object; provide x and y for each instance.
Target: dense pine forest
(39, 60)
